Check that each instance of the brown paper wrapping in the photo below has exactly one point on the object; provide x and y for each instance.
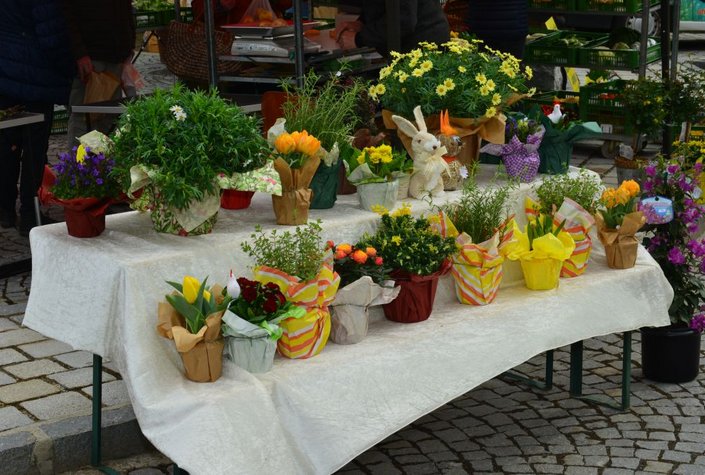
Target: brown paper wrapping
(292, 206)
(620, 244)
(471, 131)
(201, 353)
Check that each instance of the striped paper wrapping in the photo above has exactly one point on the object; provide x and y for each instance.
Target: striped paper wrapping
(306, 336)
(578, 224)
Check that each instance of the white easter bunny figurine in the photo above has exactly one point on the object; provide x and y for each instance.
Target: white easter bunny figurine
(427, 153)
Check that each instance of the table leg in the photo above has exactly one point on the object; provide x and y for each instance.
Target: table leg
(576, 375)
(96, 417)
(544, 385)
(30, 160)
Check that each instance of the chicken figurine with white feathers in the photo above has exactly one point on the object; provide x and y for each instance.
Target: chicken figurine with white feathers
(556, 115)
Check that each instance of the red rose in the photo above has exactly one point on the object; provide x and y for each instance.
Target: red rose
(249, 294)
(270, 305)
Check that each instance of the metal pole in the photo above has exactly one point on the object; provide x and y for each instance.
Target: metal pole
(676, 18)
(298, 44)
(626, 369)
(210, 44)
(576, 368)
(96, 414)
(645, 14)
(393, 10)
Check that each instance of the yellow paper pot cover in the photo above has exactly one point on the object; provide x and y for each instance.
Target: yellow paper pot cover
(541, 274)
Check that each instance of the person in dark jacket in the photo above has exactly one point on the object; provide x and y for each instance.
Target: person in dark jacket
(102, 39)
(35, 73)
(420, 20)
(501, 24)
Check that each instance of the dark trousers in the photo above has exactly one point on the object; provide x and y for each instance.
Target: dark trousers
(501, 24)
(21, 160)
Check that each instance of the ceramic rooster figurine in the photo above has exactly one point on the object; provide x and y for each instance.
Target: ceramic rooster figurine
(556, 115)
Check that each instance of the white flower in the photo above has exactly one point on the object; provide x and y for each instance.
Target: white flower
(463, 172)
(178, 112)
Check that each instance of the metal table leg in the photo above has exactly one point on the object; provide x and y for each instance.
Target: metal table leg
(544, 385)
(576, 375)
(96, 419)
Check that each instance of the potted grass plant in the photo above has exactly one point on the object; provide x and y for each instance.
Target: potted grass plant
(173, 144)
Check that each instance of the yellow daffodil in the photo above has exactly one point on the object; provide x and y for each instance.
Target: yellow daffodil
(441, 90)
(189, 288)
(496, 99)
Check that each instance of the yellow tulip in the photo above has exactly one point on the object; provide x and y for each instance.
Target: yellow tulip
(206, 296)
(631, 187)
(285, 143)
(308, 144)
(80, 154)
(190, 288)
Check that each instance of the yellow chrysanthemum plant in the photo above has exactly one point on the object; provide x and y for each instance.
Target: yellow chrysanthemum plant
(472, 81)
(617, 223)
(541, 249)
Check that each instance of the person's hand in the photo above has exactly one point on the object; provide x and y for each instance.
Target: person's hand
(85, 68)
(354, 26)
(346, 39)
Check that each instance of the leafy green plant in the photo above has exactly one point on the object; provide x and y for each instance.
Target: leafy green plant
(645, 102)
(583, 188)
(410, 244)
(185, 138)
(327, 112)
(480, 212)
(542, 226)
(380, 164)
(195, 302)
(298, 254)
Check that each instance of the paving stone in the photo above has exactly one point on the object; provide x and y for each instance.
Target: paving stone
(596, 460)
(10, 355)
(16, 309)
(146, 471)
(658, 467)
(7, 324)
(18, 337)
(58, 406)
(383, 469)
(77, 378)
(25, 390)
(690, 447)
(546, 468)
(114, 393)
(11, 417)
(689, 470)
(675, 456)
(46, 348)
(32, 369)
(6, 379)
(421, 469)
(625, 462)
(16, 453)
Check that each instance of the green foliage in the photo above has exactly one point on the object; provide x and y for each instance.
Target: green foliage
(480, 211)
(185, 138)
(686, 95)
(327, 112)
(195, 313)
(298, 254)
(409, 244)
(542, 226)
(583, 188)
(644, 100)
(384, 163)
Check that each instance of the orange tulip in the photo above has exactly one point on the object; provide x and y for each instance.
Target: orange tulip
(631, 187)
(285, 143)
(359, 256)
(344, 248)
(308, 144)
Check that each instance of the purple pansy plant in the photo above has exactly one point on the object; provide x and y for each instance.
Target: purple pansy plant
(84, 174)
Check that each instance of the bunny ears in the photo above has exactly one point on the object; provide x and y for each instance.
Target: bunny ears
(407, 127)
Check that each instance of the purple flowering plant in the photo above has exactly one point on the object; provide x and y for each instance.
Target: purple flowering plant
(673, 245)
(84, 174)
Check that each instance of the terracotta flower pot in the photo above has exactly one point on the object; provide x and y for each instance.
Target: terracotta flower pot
(236, 199)
(415, 300)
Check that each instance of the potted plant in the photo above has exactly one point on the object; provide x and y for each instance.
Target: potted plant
(541, 249)
(329, 113)
(375, 171)
(82, 182)
(685, 98)
(562, 130)
(418, 255)
(572, 198)
(239, 188)
(364, 282)
(479, 223)
(520, 150)
(251, 323)
(298, 156)
(191, 317)
(474, 83)
(617, 222)
(173, 144)
(301, 266)
(672, 354)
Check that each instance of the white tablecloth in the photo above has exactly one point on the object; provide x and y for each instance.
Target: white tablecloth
(305, 416)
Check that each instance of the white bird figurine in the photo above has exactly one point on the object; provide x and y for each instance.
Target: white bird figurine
(556, 115)
(233, 287)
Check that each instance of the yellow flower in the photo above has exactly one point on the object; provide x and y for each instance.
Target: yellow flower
(426, 65)
(306, 144)
(484, 90)
(490, 84)
(384, 72)
(491, 111)
(462, 69)
(285, 143)
(380, 89)
(496, 99)
(481, 78)
(484, 56)
(454, 34)
(449, 84)
(441, 90)
(396, 240)
(361, 158)
(405, 210)
(371, 92)
(608, 198)
(622, 196)
(508, 69)
(80, 154)
(417, 73)
(631, 187)
(189, 288)
(379, 209)
(206, 296)
(531, 91)
(402, 76)
(528, 72)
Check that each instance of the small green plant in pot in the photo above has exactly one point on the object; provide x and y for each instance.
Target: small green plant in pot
(572, 198)
(328, 112)
(173, 144)
(478, 221)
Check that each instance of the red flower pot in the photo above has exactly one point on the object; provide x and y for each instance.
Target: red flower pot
(84, 223)
(236, 199)
(415, 300)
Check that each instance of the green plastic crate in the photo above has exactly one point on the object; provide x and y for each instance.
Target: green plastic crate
(591, 57)
(60, 123)
(553, 4)
(546, 51)
(153, 19)
(601, 102)
(617, 6)
(547, 99)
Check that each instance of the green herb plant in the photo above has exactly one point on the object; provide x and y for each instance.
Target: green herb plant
(184, 139)
(583, 188)
(299, 254)
(645, 102)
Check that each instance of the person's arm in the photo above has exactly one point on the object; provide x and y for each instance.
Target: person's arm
(374, 30)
